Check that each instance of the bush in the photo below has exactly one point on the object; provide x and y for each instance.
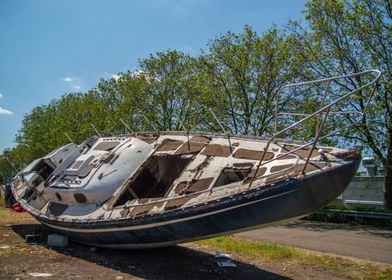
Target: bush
(342, 218)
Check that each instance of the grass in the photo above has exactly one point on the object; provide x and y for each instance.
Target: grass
(275, 253)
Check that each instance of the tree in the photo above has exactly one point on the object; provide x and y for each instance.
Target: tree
(352, 36)
(243, 73)
(171, 91)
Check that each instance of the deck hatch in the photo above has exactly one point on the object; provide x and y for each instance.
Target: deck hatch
(304, 152)
(277, 168)
(175, 203)
(216, 150)
(106, 146)
(202, 139)
(148, 138)
(77, 164)
(260, 172)
(194, 186)
(56, 208)
(252, 154)
(169, 145)
(191, 148)
(84, 173)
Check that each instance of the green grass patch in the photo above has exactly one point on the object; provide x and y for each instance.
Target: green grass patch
(276, 253)
(270, 251)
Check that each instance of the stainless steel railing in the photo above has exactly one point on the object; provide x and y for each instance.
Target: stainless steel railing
(325, 109)
(319, 127)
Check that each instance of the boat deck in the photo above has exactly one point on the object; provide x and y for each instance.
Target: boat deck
(178, 170)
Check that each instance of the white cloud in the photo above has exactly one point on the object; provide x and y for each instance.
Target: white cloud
(116, 77)
(73, 83)
(5, 112)
(138, 73)
(68, 79)
(1, 95)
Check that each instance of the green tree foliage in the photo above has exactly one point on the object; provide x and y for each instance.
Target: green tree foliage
(169, 99)
(243, 73)
(352, 36)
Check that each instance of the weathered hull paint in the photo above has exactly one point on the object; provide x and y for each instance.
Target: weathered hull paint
(244, 211)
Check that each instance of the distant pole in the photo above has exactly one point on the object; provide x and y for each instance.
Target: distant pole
(11, 163)
(96, 130)
(127, 127)
(218, 121)
(187, 135)
(181, 123)
(153, 126)
(224, 130)
(69, 138)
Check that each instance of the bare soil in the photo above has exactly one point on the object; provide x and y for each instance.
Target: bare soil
(189, 261)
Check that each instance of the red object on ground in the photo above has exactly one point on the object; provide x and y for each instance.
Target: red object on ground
(18, 209)
(16, 204)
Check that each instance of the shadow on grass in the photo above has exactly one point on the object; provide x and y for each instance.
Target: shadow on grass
(175, 262)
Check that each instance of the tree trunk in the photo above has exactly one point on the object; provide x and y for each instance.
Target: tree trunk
(388, 175)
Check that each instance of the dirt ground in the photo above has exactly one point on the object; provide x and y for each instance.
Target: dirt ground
(19, 260)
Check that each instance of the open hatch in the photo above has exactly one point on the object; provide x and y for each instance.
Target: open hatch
(155, 177)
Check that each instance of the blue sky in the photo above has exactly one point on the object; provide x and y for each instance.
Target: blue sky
(51, 47)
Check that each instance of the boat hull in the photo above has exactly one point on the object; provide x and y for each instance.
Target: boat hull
(261, 206)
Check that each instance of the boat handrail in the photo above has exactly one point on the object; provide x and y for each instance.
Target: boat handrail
(324, 109)
(307, 117)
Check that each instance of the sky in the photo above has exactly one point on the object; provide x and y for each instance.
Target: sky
(52, 47)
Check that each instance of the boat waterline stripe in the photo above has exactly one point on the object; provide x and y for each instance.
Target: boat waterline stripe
(161, 223)
(191, 239)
